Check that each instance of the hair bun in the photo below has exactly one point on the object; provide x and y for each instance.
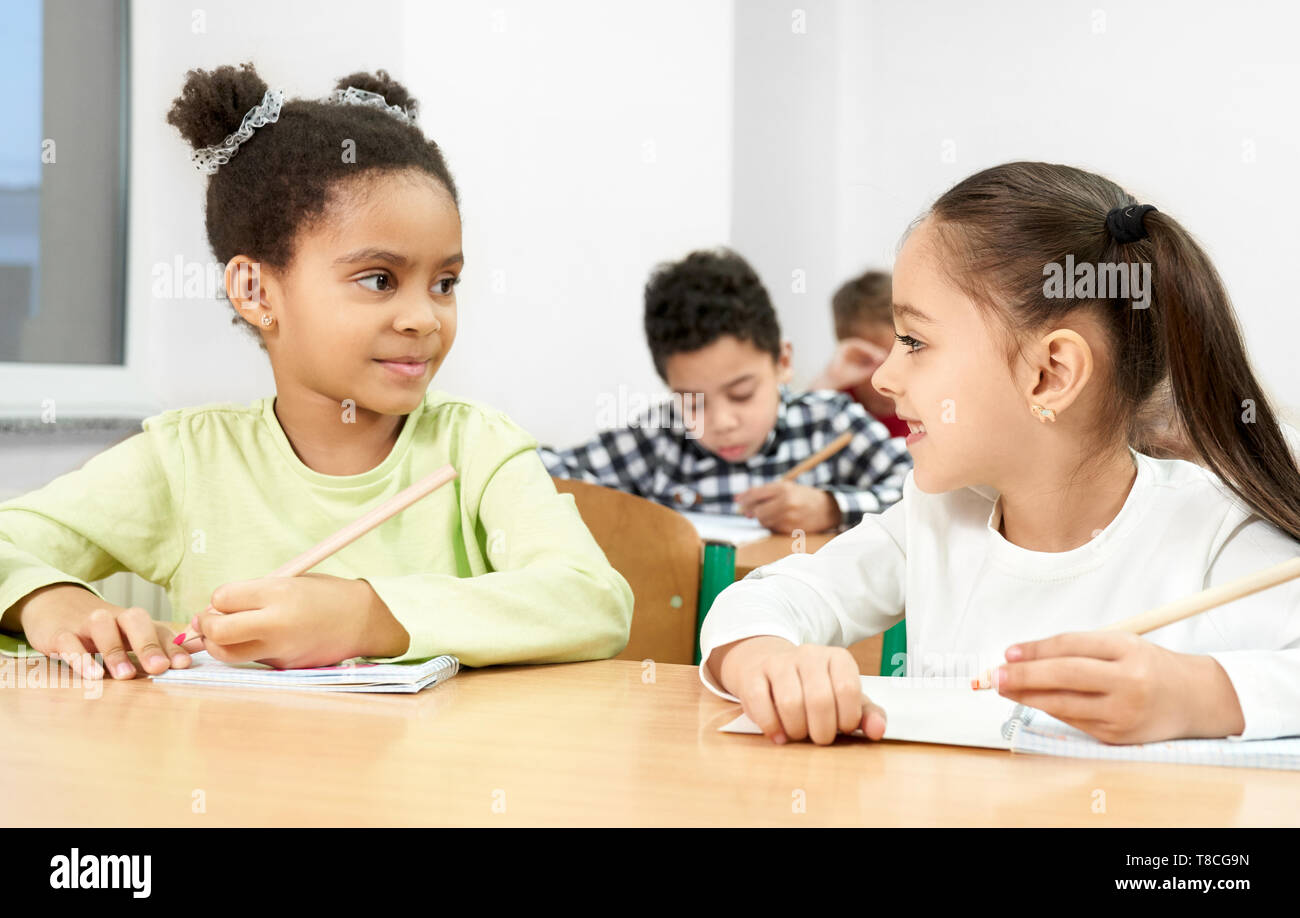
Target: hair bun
(213, 103)
(380, 82)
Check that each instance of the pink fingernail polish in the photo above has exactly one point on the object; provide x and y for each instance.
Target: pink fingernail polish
(1014, 652)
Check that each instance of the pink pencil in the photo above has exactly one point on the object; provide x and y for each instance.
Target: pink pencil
(355, 530)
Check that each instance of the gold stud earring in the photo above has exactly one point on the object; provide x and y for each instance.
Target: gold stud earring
(267, 320)
(1044, 414)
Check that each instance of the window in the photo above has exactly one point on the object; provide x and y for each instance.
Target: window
(63, 159)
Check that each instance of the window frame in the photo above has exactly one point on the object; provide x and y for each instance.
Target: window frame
(98, 390)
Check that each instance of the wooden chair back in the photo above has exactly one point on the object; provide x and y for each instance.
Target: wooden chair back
(657, 551)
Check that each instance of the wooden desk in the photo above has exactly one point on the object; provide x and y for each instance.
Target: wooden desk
(774, 548)
(574, 744)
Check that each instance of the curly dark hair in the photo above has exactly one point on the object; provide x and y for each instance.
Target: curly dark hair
(285, 176)
(691, 303)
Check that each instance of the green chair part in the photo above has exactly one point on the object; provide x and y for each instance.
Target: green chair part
(719, 571)
(716, 574)
(893, 650)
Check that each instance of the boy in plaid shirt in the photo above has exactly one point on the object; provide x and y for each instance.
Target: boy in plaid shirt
(732, 427)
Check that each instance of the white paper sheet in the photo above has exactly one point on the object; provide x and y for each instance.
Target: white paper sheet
(726, 527)
(922, 710)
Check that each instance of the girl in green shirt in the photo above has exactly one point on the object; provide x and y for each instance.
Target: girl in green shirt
(339, 225)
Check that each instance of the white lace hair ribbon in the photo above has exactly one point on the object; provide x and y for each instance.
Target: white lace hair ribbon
(354, 96)
(208, 159)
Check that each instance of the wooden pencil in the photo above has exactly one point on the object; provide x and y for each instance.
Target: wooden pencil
(817, 458)
(1188, 606)
(359, 527)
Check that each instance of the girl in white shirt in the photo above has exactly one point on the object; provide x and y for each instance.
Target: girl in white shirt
(1029, 518)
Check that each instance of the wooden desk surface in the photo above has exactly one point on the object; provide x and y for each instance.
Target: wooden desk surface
(574, 744)
(774, 548)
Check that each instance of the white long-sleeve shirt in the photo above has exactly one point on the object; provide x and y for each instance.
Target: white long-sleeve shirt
(970, 594)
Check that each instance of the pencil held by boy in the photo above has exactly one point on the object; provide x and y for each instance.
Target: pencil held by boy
(732, 427)
(344, 269)
(1031, 523)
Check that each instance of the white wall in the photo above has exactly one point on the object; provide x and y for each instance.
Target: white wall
(590, 141)
(1167, 98)
(787, 188)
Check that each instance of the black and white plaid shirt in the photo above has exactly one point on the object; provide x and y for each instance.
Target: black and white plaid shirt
(663, 464)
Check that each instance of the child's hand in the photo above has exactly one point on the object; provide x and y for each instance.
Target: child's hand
(1121, 688)
(290, 622)
(797, 692)
(854, 362)
(784, 506)
(70, 623)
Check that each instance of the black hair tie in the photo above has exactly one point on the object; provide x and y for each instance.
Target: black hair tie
(1125, 223)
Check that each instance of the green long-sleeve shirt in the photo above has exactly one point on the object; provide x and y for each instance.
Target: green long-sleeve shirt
(494, 567)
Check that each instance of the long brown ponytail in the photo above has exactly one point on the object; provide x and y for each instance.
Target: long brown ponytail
(1002, 226)
(1220, 403)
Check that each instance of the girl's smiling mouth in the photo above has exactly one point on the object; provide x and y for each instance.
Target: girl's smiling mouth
(916, 430)
(406, 367)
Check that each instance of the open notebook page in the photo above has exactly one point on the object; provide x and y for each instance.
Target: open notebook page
(1040, 732)
(945, 712)
(927, 710)
(726, 527)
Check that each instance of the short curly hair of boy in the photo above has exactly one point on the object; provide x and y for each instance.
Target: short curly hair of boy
(690, 304)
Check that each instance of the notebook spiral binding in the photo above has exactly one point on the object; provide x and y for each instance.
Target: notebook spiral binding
(1020, 716)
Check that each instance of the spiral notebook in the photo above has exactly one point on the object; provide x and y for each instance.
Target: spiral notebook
(947, 711)
(342, 677)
